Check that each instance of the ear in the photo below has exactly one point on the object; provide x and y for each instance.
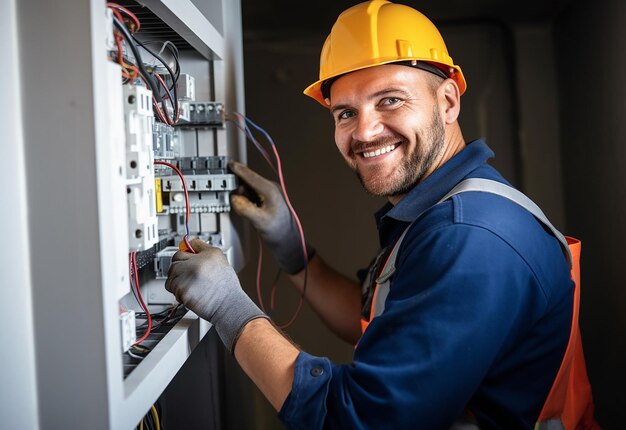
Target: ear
(449, 100)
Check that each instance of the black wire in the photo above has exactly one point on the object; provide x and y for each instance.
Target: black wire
(169, 70)
(150, 416)
(141, 351)
(155, 55)
(133, 287)
(174, 50)
(169, 316)
(142, 68)
(156, 314)
(149, 420)
(160, 414)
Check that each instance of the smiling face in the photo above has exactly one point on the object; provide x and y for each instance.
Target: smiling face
(390, 126)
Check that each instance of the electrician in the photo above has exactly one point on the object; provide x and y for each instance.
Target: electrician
(475, 323)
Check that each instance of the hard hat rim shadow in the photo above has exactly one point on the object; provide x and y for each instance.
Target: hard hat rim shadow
(380, 32)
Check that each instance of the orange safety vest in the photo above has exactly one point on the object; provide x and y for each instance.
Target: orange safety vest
(569, 405)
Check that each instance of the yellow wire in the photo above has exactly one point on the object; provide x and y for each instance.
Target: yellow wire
(155, 414)
(141, 425)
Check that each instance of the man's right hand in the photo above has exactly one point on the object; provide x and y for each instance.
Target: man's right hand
(261, 201)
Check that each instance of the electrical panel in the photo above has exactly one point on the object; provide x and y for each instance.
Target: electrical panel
(128, 159)
(177, 182)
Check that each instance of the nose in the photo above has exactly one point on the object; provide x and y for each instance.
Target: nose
(367, 126)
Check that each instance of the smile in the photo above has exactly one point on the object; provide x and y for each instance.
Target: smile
(378, 152)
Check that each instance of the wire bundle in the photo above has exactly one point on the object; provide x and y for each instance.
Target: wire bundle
(242, 123)
(126, 25)
(152, 420)
(140, 352)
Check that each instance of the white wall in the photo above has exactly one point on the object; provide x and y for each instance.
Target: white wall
(19, 408)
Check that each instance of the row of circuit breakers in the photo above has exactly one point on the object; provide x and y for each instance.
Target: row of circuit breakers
(155, 193)
(156, 198)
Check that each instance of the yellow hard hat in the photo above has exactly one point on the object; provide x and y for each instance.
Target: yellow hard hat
(380, 32)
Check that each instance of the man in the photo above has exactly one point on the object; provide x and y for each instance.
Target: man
(478, 310)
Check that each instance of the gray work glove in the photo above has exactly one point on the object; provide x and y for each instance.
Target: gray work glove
(261, 201)
(207, 284)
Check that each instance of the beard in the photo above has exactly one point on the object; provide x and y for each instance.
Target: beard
(413, 168)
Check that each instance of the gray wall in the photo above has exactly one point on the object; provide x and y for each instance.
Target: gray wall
(591, 56)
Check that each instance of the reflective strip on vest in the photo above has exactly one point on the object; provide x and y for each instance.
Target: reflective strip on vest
(472, 184)
(494, 187)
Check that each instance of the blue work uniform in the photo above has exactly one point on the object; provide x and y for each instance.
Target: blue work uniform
(477, 318)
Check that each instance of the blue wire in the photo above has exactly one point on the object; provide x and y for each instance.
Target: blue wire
(255, 142)
(260, 129)
(251, 136)
(292, 218)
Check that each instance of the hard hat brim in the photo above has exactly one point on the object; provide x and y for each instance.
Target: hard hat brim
(315, 89)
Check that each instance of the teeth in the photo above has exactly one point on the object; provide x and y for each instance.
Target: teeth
(379, 151)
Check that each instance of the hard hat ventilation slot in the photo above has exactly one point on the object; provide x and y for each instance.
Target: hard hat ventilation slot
(405, 48)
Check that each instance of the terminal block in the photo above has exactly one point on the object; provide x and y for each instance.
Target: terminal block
(183, 112)
(211, 165)
(226, 182)
(203, 114)
(165, 141)
(198, 203)
(163, 258)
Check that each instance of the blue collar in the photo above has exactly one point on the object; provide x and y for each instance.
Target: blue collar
(435, 186)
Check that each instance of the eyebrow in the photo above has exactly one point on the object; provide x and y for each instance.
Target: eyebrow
(375, 95)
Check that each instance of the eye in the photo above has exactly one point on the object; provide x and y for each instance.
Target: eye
(345, 114)
(390, 101)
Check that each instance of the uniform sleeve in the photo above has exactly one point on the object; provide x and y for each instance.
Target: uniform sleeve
(458, 300)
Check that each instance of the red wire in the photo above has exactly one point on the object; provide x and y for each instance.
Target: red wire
(174, 120)
(278, 169)
(117, 14)
(256, 142)
(128, 13)
(293, 211)
(188, 245)
(187, 206)
(258, 275)
(133, 256)
(154, 103)
(169, 120)
(120, 50)
(120, 55)
(160, 112)
(116, 8)
(302, 240)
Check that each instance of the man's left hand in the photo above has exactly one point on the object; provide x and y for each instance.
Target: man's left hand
(207, 284)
